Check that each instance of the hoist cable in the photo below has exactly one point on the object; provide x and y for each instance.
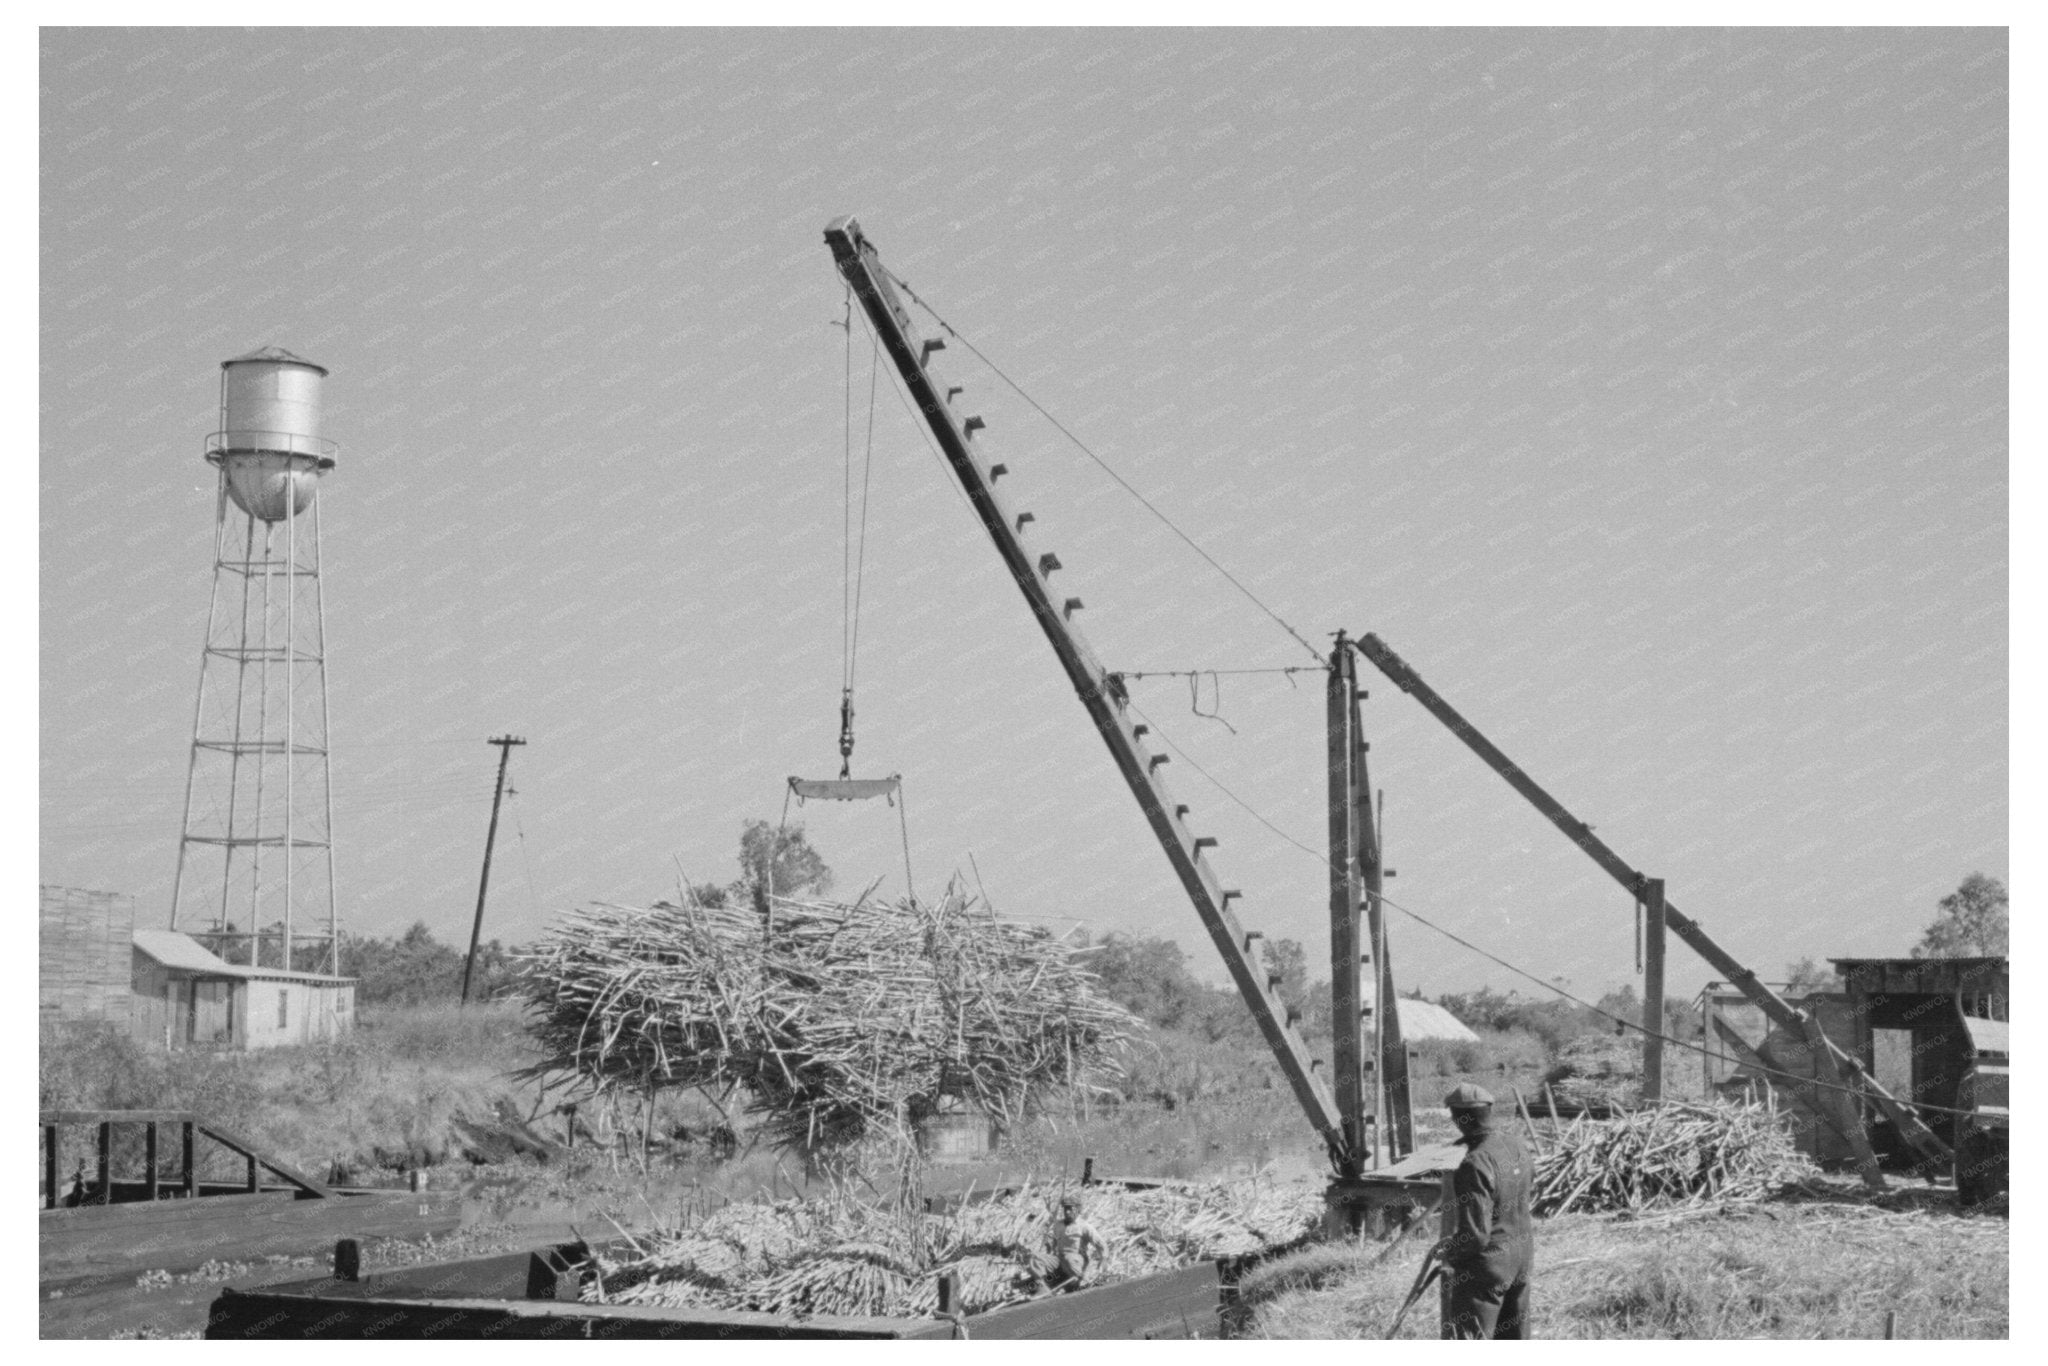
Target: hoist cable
(846, 507)
(1123, 483)
(1792, 1077)
(860, 563)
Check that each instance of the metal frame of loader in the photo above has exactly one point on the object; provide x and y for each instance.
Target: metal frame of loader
(1355, 853)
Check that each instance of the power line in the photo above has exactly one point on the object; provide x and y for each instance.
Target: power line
(1122, 482)
(1211, 673)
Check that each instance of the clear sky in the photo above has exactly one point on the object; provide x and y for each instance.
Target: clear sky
(1646, 390)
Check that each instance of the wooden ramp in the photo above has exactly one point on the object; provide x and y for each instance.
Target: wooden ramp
(91, 1254)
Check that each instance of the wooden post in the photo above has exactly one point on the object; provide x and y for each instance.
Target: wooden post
(1831, 1058)
(191, 1167)
(1447, 1224)
(254, 1184)
(1347, 992)
(50, 1165)
(1397, 1125)
(1653, 990)
(105, 1194)
(149, 1161)
(348, 1259)
(1101, 692)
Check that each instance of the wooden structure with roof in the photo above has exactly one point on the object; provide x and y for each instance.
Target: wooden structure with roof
(186, 997)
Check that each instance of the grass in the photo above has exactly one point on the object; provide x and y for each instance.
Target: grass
(390, 1088)
(1829, 1268)
(381, 1100)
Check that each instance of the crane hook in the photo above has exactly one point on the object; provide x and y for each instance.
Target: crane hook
(846, 733)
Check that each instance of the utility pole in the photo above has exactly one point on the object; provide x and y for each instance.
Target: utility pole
(504, 744)
(1654, 925)
(1345, 947)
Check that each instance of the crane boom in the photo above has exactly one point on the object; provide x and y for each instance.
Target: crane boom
(1829, 1056)
(872, 284)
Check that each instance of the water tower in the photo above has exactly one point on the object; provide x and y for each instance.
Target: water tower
(255, 877)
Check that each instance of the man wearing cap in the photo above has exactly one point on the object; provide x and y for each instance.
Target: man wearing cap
(1491, 1249)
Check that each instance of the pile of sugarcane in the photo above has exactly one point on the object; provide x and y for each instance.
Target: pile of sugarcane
(1668, 1156)
(842, 1257)
(835, 1021)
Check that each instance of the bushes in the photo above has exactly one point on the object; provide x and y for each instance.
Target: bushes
(417, 969)
(393, 1085)
(98, 1066)
(1495, 1050)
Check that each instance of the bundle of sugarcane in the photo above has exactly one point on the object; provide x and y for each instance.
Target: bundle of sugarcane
(1669, 1156)
(841, 1257)
(836, 1020)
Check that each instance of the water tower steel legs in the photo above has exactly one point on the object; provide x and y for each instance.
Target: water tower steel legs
(326, 762)
(254, 728)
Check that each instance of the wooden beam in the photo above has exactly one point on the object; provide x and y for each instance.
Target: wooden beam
(1799, 1088)
(306, 1184)
(106, 1164)
(284, 1314)
(1347, 994)
(149, 1160)
(50, 1166)
(1653, 989)
(1781, 1012)
(1397, 1125)
(1104, 700)
(1173, 1304)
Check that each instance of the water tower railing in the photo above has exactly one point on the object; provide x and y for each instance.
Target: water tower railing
(250, 441)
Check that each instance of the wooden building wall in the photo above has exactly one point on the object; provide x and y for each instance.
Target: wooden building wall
(1723, 1072)
(174, 1008)
(82, 950)
(276, 1012)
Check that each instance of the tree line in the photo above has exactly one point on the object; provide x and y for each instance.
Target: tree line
(1147, 974)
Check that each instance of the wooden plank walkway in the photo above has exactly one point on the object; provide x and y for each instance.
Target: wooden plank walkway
(104, 1244)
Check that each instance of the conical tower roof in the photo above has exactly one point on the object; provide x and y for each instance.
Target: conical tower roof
(275, 355)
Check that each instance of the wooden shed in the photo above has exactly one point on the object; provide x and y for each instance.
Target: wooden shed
(1925, 1019)
(185, 997)
(82, 952)
(1726, 1072)
(1910, 1022)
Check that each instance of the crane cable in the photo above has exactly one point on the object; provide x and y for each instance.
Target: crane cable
(1082, 446)
(853, 555)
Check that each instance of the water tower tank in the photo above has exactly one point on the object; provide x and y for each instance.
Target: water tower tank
(269, 441)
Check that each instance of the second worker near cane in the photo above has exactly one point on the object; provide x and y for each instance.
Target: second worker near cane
(1491, 1249)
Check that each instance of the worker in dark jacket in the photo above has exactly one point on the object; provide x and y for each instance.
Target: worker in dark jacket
(1491, 1249)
